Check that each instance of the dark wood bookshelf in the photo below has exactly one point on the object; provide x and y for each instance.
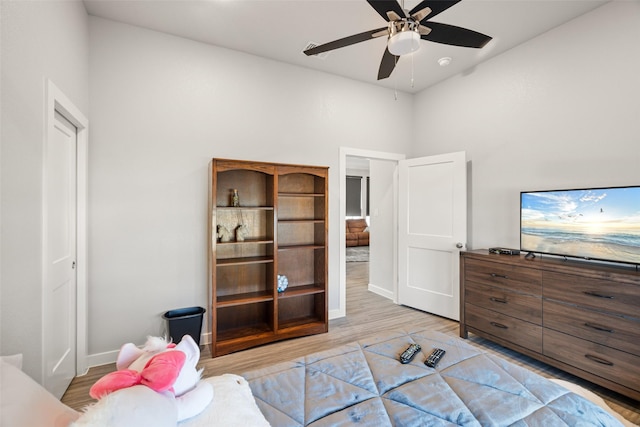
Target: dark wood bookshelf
(285, 210)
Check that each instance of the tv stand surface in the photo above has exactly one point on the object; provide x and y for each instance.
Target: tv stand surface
(578, 316)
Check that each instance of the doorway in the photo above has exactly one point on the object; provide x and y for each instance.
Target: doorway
(441, 178)
(379, 163)
(357, 220)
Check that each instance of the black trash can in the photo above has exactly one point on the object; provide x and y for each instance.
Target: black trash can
(184, 321)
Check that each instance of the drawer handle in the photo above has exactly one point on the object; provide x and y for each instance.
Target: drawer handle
(502, 276)
(598, 328)
(595, 294)
(500, 300)
(499, 325)
(598, 360)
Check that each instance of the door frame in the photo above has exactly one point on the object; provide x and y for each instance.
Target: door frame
(355, 152)
(56, 100)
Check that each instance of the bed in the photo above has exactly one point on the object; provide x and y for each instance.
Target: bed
(356, 384)
(364, 384)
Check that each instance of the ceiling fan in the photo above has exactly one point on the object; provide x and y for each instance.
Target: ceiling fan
(405, 29)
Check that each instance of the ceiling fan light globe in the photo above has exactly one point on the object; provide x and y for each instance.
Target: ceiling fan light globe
(404, 42)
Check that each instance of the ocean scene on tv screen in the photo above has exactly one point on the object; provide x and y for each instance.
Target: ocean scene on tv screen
(601, 224)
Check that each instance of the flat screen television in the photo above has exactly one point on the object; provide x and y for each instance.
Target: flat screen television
(593, 223)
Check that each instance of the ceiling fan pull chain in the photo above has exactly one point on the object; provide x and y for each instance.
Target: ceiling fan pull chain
(412, 71)
(395, 82)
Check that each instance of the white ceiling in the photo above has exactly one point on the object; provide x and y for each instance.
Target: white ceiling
(281, 29)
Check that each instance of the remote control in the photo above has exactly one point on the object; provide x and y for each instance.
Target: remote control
(434, 357)
(409, 353)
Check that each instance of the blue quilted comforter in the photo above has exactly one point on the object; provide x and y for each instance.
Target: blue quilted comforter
(363, 383)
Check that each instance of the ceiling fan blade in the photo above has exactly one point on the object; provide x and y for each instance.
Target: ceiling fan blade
(456, 36)
(436, 6)
(387, 64)
(393, 16)
(347, 41)
(421, 14)
(424, 30)
(384, 6)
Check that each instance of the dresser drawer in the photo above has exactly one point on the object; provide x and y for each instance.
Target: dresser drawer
(599, 294)
(619, 367)
(518, 305)
(600, 328)
(508, 328)
(526, 280)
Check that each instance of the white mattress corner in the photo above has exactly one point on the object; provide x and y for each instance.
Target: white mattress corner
(233, 405)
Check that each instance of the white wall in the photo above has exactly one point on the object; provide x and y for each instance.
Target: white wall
(39, 40)
(161, 107)
(383, 224)
(560, 111)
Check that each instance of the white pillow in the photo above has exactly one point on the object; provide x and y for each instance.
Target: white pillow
(24, 402)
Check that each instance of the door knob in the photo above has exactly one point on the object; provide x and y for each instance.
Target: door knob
(459, 245)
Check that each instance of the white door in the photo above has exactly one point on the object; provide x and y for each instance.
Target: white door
(432, 229)
(59, 296)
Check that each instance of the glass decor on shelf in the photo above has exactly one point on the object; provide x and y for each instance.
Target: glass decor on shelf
(283, 282)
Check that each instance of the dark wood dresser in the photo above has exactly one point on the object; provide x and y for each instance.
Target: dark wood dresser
(578, 316)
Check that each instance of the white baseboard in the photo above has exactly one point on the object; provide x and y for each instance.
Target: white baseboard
(205, 338)
(380, 291)
(100, 359)
(107, 357)
(337, 313)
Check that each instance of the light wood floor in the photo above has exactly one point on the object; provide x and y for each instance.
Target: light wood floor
(367, 314)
